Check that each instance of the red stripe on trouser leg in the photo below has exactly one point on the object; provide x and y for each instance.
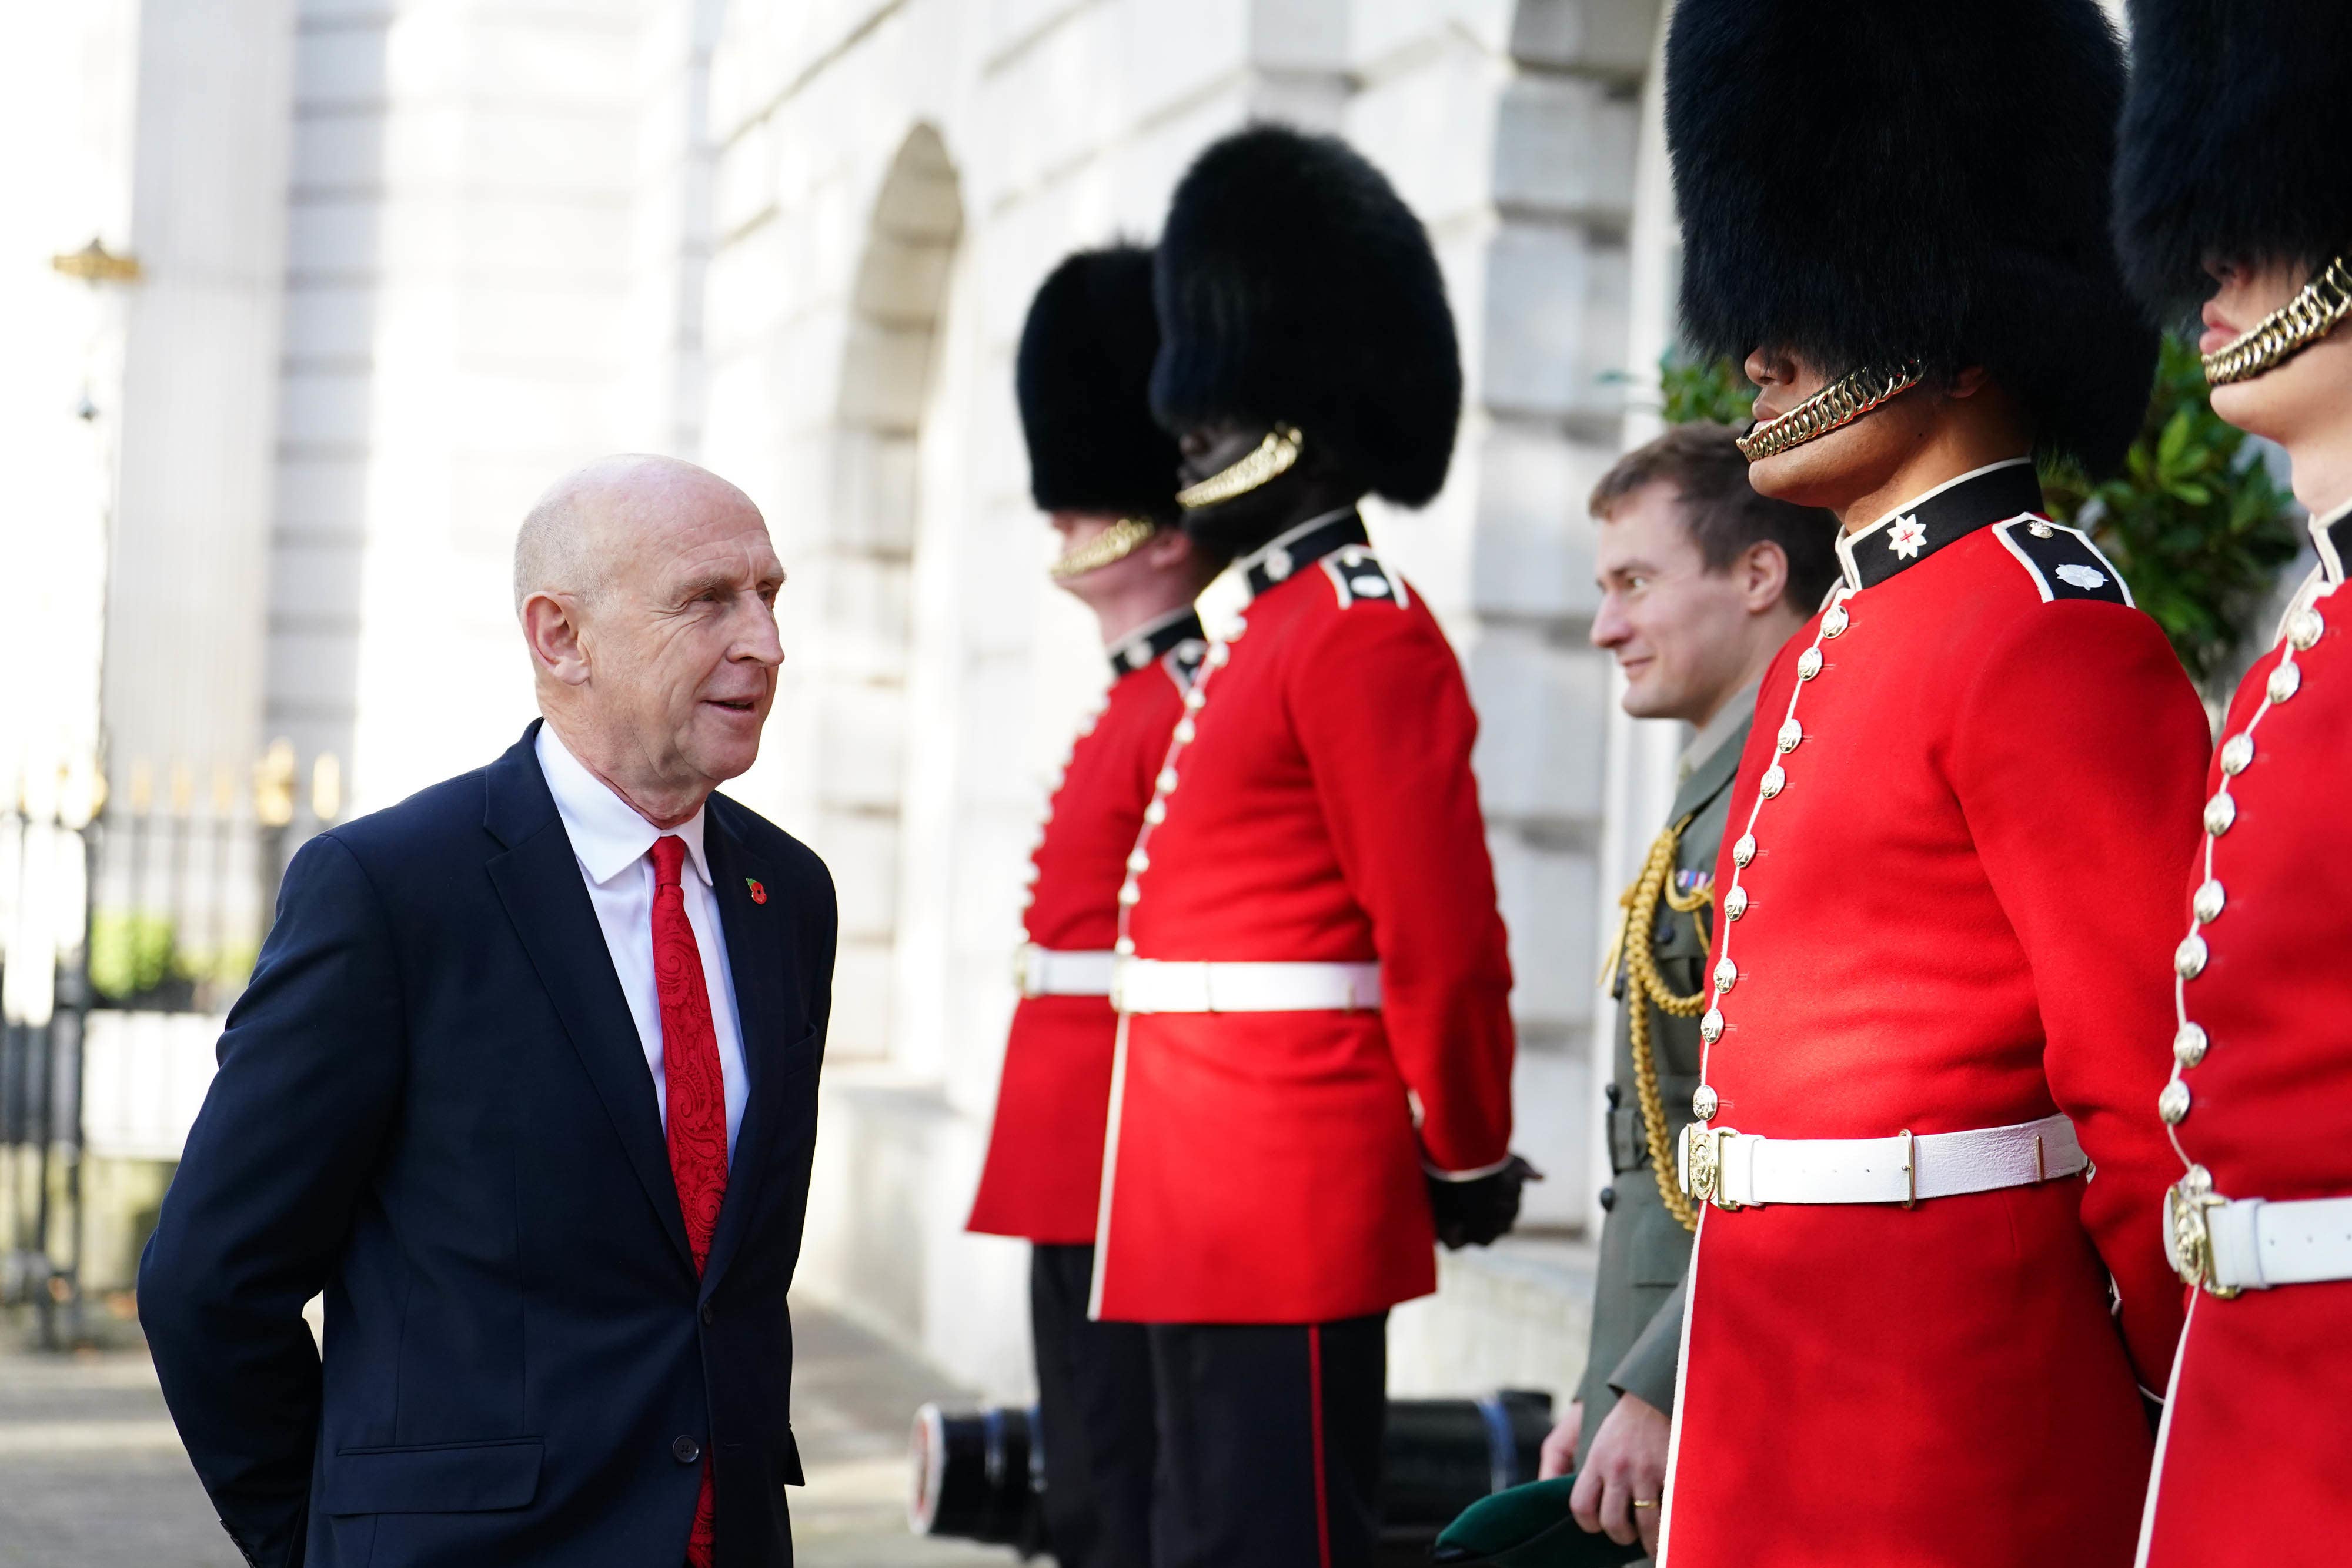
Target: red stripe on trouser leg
(1315, 1395)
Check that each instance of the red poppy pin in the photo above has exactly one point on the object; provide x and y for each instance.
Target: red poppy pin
(759, 893)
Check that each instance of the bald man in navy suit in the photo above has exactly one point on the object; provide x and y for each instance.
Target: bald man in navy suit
(525, 1084)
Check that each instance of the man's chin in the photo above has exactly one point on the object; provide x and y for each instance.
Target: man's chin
(725, 748)
(1640, 701)
(1802, 474)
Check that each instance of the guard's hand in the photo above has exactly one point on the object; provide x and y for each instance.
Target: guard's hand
(1475, 1213)
(1559, 1452)
(1627, 1464)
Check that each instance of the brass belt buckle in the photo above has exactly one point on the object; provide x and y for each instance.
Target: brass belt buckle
(2189, 1205)
(1703, 1163)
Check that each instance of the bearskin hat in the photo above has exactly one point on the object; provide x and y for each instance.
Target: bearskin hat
(2234, 137)
(1866, 182)
(1083, 376)
(1296, 287)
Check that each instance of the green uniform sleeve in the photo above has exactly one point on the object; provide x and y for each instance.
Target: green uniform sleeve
(1647, 1371)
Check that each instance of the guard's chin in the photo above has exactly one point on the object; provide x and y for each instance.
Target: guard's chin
(1237, 527)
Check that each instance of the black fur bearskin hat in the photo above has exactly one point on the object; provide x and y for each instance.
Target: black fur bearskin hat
(1083, 376)
(1866, 182)
(1295, 286)
(2234, 141)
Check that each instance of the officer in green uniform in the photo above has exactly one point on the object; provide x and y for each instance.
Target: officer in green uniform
(1701, 582)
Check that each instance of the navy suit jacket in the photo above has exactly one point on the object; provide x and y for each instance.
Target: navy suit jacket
(433, 1106)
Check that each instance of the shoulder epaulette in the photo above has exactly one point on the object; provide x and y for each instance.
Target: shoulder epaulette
(1357, 574)
(2062, 561)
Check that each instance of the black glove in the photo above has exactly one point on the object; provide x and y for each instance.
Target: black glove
(1475, 1212)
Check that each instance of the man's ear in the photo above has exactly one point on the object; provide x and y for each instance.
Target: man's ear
(1167, 547)
(1966, 382)
(1171, 548)
(1763, 572)
(551, 624)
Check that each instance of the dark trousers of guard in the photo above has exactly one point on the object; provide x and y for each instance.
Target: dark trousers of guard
(1205, 1445)
(1095, 1419)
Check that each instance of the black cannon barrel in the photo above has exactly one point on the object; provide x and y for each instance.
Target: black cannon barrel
(979, 1475)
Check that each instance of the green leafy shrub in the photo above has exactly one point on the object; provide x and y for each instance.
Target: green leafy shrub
(2194, 521)
(1716, 390)
(138, 957)
(130, 953)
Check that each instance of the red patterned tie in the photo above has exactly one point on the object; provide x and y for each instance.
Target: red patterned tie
(696, 1097)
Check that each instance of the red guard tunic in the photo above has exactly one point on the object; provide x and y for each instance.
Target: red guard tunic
(1043, 1176)
(1956, 833)
(1318, 807)
(2254, 1462)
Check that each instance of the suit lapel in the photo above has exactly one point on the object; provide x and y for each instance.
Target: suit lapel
(538, 880)
(755, 960)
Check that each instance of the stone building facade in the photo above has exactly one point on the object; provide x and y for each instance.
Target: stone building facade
(889, 183)
(476, 241)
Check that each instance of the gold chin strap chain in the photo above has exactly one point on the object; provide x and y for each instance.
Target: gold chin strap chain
(2286, 331)
(1836, 405)
(1269, 459)
(1645, 989)
(1115, 542)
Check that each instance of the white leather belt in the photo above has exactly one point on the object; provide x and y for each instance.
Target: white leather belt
(2248, 1244)
(1157, 985)
(1042, 972)
(1737, 1170)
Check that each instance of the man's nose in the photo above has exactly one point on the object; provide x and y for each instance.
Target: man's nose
(1763, 368)
(761, 643)
(1609, 627)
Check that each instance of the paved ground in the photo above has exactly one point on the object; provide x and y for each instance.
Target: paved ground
(92, 1476)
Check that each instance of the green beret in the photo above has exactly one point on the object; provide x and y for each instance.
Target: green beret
(1526, 1527)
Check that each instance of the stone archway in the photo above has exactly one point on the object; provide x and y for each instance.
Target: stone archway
(861, 575)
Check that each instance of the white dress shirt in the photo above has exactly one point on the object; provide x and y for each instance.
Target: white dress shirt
(612, 842)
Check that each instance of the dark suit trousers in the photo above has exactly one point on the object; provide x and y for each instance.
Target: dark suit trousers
(1094, 1406)
(1269, 1443)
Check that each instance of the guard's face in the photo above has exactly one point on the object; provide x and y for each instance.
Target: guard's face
(1241, 525)
(1853, 461)
(2304, 404)
(1213, 448)
(1167, 557)
(1679, 632)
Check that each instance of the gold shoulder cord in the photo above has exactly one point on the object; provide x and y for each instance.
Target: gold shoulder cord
(1646, 988)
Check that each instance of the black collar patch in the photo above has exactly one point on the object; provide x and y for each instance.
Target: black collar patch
(1147, 644)
(1301, 548)
(1918, 529)
(2332, 536)
(2062, 561)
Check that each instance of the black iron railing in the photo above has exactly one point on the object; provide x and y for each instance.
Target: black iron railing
(150, 894)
